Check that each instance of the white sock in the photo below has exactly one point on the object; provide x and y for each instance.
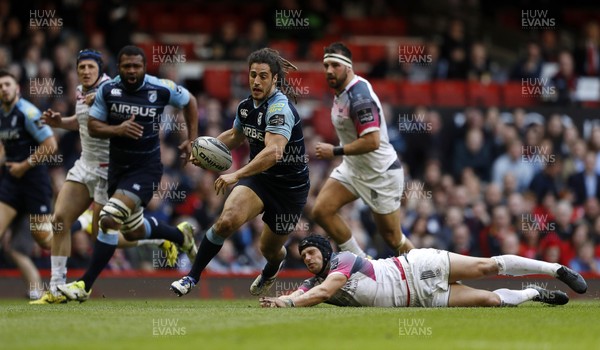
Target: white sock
(59, 272)
(511, 297)
(150, 242)
(513, 265)
(352, 246)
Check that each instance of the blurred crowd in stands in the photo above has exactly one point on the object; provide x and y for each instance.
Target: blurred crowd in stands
(479, 181)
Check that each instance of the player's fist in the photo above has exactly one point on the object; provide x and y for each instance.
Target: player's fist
(52, 118)
(324, 150)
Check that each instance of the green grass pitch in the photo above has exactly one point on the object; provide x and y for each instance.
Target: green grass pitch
(241, 324)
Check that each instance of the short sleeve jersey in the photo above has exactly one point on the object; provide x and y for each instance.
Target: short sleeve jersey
(114, 104)
(22, 130)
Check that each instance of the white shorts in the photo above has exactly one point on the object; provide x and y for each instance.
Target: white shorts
(382, 193)
(428, 271)
(97, 185)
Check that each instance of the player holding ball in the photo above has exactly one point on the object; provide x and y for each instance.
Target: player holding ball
(275, 181)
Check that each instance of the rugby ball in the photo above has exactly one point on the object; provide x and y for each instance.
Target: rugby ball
(211, 153)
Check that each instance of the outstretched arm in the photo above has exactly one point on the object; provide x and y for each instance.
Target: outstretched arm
(56, 120)
(314, 296)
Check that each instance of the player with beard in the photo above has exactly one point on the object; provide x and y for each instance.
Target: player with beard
(86, 182)
(275, 182)
(370, 169)
(24, 183)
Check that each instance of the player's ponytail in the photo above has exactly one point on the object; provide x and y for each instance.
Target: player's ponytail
(279, 66)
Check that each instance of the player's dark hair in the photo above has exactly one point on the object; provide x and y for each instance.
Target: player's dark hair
(278, 65)
(131, 50)
(5, 73)
(339, 48)
(322, 244)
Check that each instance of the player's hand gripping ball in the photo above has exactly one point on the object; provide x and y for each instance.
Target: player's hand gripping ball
(211, 154)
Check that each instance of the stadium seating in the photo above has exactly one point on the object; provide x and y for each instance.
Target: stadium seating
(198, 23)
(449, 93)
(321, 121)
(388, 91)
(414, 94)
(286, 48)
(512, 96)
(217, 83)
(479, 94)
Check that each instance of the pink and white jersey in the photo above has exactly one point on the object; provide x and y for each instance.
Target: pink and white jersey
(370, 282)
(94, 152)
(357, 112)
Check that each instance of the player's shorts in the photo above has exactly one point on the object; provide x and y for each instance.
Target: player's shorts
(382, 193)
(31, 194)
(96, 185)
(282, 208)
(428, 272)
(139, 180)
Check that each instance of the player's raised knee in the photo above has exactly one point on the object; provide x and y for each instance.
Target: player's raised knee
(113, 214)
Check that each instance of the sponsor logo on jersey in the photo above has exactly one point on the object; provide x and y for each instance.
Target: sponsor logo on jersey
(335, 262)
(169, 83)
(13, 122)
(243, 112)
(276, 107)
(259, 119)
(11, 134)
(152, 96)
(115, 92)
(365, 116)
(128, 110)
(136, 187)
(277, 120)
(253, 133)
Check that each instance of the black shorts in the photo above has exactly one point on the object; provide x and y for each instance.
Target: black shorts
(282, 206)
(139, 180)
(31, 194)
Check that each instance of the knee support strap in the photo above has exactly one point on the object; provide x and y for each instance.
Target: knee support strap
(134, 221)
(116, 209)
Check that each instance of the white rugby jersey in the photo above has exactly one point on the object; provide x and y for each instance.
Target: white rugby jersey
(94, 151)
(356, 112)
(379, 283)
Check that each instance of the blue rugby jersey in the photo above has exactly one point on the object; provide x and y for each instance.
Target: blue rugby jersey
(21, 130)
(113, 105)
(279, 116)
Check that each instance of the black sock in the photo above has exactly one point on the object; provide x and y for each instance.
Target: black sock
(270, 270)
(206, 252)
(100, 258)
(161, 230)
